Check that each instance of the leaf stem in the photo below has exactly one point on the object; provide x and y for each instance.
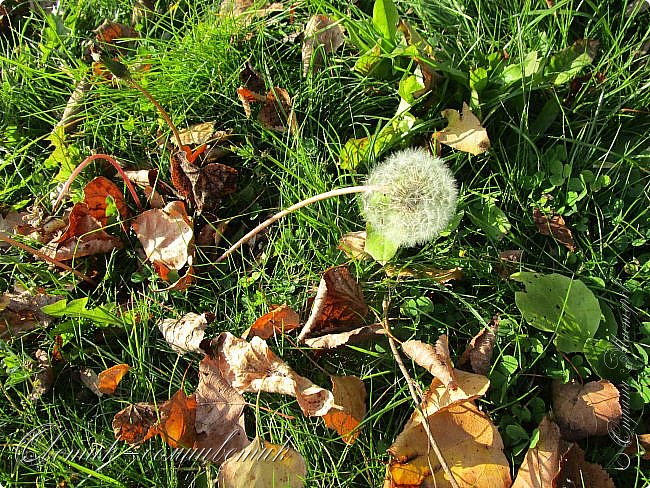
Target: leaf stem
(316, 198)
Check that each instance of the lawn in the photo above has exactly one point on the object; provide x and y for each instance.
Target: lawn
(541, 245)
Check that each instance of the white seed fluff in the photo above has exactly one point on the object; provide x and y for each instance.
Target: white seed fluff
(416, 200)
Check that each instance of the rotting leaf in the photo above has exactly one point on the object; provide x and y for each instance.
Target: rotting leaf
(111, 377)
(542, 462)
(280, 319)
(352, 244)
(576, 471)
(43, 377)
(586, 410)
(332, 341)
(263, 465)
(322, 35)
(20, 312)
(339, 304)
(434, 359)
(350, 409)
(556, 227)
(464, 132)
(247, 10)
(135, 423)
(95, 194)
(185, 333)
(478, 353)
(254, 367)
(465, 435)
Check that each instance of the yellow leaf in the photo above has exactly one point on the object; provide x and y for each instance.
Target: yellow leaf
(464, 132)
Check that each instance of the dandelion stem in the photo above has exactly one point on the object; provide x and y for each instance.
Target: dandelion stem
(316, 198)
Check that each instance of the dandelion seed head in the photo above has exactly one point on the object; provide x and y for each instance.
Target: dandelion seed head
(416, 200)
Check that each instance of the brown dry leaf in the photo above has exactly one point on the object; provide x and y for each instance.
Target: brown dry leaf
(276, 113)
(166, 235)
(252, 79)
(219, 420)
(147, 180)
(110, 32)
(135, 423)
(20, 312)
(577, 472)
(332, 341)
(263, 465)
(95, 194)
(585, 410)
(435, 359)
(243, 9)
(556, 227)
(84, 236)
(438, 396)
(353, 244)
(542, 463)
(110, 378)
(9, 223)
(350, 409)
(248, 96)
(206, 186)
(508, 262)
(177, 418)
(197, 134)
(464, 132)
(322, 35)
(254, 367)
(469, 442)
(478, 353)
(280, 319)
(424, 272)
(639, 445)
(339, 305)
(186, 333)
(43, 377)
(90, 380)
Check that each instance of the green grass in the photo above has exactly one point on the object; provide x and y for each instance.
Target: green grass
(195, 58)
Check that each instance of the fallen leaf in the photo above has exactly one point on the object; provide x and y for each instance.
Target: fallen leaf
(464, 132)
(276, 113)
(110, 378)
(586, 410)
(135, 423)
(254, 367)
(352, 244)
(263, 465)
(95, 194)
(322, 35)
(166, 235)
(542, 462)
(639, 445)
(248, 10)
(469, 442)
(556, 227)
(252, 79)
(425, 272)
(90, 380)
(478, 353)
(339, 304)
(332, 341)
(280, 319)
(577, 472)
(197, 134)
(9, 223)
(177, 418)
(248, 96)
(84, 236)
(111, 32)
(350, 409)
(438, 397)
(508, 261)
(186, 333)
(20, 312)
(43, 376)
(147, 179)
(434, 359)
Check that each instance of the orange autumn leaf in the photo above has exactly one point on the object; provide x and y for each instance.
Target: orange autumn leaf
(277, 113)
(95, 194)
(280, 319)
(350, 409)
(110, 378)
(177, 418)
(135, 423)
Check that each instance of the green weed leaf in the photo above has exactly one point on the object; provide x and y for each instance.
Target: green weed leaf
(385, 18)
(381, 249)
(78, 309)
(607, 360)
(565, 65)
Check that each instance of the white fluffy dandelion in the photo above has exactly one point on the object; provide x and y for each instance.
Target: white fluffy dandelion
(415, 200)
(408, 199)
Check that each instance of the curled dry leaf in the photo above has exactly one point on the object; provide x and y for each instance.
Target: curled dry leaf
(263, 465)
(435, 359)
(586, 410)
(438, 396)
(252, 79)
(84, 236)
(135, 423)
(353, 244)
(186, 333)
(464, 132)
(20, 312)
(95, 194)
(280, 319)
(111, 377)
(425, 272)
(478, 353)
(147, 180)
(576, 471)
(332, 341)
(508, 262)
(339, 304)
(166, 235)
(277, 113)
(542, 462)
(466, 436)
(322, 35)
(43, 377)
(556, 227)
(254, 367)
(197, 134)
(350, 409)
